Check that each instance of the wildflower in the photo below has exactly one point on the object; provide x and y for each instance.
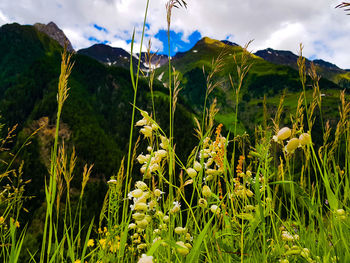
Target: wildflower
(142, 159)
(158, 193)
(189, 237)
(91, 243)
(142, 223)
(141, 246)
(138, 216)
(197, 166)
(147, 131)
(341, 214)
(180, 230)
(136, 193)
(188, 245)
(132, 226)
(141, 122)
(2, 220)
(215, 209)
(165, 143)
(140, 206)
(286, 236)
(181, 248)
(191, 172)
(304, 139)
(77, 261)
(166, 219)
(292, 145)
(202, 203)
(161, 153)
(112, 181)
(152, 204)
(206, 191)
(176, 207)
(145, 259)
(141, 185)
(282, 134)
(102, 243)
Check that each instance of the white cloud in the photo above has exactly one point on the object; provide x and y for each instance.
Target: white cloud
(271, 23)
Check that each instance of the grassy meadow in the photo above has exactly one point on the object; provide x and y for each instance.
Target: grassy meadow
(278, 194)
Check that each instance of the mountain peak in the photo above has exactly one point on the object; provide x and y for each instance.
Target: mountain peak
(53, 31)
(210, 41)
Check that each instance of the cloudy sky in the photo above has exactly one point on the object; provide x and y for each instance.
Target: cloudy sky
(279, 24)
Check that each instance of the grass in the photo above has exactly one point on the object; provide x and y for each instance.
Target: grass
(270, 196)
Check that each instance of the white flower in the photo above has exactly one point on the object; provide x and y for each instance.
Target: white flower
(215, 209)
(145, 259)
(112, 181)
(176, 207)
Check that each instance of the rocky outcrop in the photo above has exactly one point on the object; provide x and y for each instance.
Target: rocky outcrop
(53, 31)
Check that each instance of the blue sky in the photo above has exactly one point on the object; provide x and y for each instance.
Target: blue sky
(177, 41)
(283, 25)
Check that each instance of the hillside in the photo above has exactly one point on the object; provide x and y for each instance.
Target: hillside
(96, 117)
(264, 79)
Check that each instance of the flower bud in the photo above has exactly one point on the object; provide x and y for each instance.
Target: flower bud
(202, 203)
(292, 145)
(282, 134)
(180, 230)
(206, 191)
(197, 166)
(191, 172)
(181, 248)
(215, 209)
(304, 139)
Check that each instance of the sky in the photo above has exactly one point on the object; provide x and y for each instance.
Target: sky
(279, 24)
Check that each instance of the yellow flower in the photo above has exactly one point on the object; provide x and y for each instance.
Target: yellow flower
(2, 220)
(90, 243)
(77, 261)
(181, 248)
(206, 191)
(292, 145)
(282, 134)
(180, 230)
(191, 172)
(304, 139)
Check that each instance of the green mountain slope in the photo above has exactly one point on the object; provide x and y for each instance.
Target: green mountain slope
(96, 116)
(264, 79)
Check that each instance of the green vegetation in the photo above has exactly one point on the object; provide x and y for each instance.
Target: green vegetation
(224, 170)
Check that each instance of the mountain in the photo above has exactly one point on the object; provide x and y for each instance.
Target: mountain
(53, 31)
(324, 68)
(96, 116)
(264, 79)
(114, 56)
(108, 55)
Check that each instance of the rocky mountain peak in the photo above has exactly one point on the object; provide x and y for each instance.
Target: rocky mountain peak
(53, 31)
